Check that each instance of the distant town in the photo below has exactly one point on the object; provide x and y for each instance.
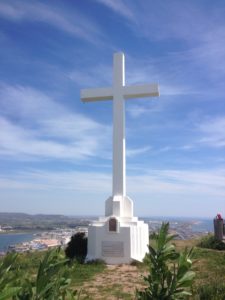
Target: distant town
(56, 230)
(47, 239)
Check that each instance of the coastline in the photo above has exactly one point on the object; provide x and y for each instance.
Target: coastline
(36, 240)
(31, 239)
(11, 238)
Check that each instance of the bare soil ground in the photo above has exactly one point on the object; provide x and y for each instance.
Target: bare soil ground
(116, 282)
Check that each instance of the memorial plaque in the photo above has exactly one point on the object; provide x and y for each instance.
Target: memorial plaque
(112, 224)
(112, 249)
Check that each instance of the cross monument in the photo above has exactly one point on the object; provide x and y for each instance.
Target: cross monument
(117, 248)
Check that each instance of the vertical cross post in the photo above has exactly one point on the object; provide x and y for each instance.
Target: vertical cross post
(119, 93)
(119, 146)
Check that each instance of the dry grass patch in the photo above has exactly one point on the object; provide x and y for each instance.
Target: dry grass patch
(115, 282)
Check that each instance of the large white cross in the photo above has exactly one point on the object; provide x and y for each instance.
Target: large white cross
(118, 93)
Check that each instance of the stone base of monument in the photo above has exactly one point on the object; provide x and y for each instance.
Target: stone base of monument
(118, 237)
(117, 240)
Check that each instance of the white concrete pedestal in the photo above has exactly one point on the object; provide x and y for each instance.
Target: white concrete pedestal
(126, 242)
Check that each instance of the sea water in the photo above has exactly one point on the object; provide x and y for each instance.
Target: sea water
(7, 239)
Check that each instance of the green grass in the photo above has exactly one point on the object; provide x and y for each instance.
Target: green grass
(85, 272)
(209, 266)
(212, 291)
(114, 290)
(30, 261)
(210, 271)
(210, 261)
(122, 295)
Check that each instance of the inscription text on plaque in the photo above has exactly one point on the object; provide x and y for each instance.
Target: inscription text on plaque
(112, 249)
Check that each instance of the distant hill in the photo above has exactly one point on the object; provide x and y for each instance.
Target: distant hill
(23, 221)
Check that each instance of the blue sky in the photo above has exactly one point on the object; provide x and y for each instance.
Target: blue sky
(55, 152)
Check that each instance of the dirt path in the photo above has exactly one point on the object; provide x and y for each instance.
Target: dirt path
(116, 282)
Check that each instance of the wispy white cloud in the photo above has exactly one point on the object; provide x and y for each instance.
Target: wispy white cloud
(179, 183)
(47, 180)
(70, 22)
(119, 7)
(182, 183)
(187, 147)
(172, 90)
(186, 22)
(97, 76)
(21, 143)
(156, 105)
(34, 125)
(144, 70)
(165, 149)
(213, 131)
(137, 151)
(137, 110)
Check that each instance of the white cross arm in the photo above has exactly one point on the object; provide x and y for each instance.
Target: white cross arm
(139, 91)
(89, 95)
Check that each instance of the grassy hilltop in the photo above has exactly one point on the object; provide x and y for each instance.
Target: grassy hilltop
(121, 282)
(97, 281)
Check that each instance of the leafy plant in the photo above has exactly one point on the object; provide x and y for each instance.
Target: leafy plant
(210, 242)
(77, 247)
(51, 282)
(169, 275)
(8, 276)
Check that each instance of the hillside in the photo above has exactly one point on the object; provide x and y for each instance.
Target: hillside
(22, 221)
(98, 281)
(120, 282)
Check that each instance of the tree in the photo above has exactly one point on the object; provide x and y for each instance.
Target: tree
(77, 247)
(169, 276)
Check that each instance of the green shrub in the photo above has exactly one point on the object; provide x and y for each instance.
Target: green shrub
(169, 271)
(77, 247)
(210, 242)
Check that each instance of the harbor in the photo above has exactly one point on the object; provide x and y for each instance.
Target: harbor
(42, 240)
